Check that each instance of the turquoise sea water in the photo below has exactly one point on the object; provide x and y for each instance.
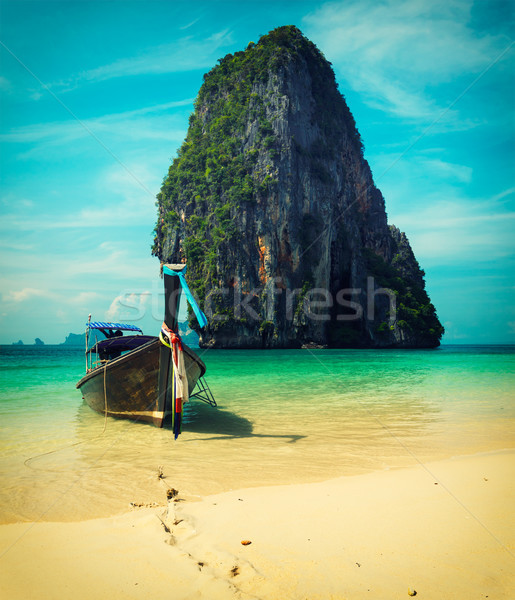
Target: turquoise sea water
(283, 417)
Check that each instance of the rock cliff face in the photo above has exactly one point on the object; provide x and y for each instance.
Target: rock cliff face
(274, 208)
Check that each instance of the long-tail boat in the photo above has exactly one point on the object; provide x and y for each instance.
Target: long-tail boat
(141, 377)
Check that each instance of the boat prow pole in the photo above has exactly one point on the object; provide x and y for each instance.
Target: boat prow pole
(166, 381)
(86, 338)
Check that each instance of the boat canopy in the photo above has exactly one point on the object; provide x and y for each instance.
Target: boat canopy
(119, 326)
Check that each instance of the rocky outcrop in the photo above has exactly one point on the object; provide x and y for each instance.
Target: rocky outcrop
(74, 339)
(273, 206)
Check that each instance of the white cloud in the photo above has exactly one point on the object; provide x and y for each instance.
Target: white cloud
(458, 230)
(129, 306)
(84, 298)
(411, 169)
(121, 197)
(436, 203)
(446, 170)
(5, 84)
(453, 333)
(393, 51)
(80, 274)
(119, 193)
(187, 26)
(114, 260)
(26, 293)
(18, 247)
(184, 54)
(504, 194)
(72, 284)
(157, 122)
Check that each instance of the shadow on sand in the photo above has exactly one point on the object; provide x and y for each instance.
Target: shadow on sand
(223, 424)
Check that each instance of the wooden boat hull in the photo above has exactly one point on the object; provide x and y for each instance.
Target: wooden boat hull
(128, 387)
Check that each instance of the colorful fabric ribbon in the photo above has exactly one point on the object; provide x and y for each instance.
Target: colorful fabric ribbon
(180, 379)
(201, 317)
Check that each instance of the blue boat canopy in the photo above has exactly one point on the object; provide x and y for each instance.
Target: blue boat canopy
(120, 326)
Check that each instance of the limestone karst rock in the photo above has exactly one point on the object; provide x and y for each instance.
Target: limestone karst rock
(273, 206)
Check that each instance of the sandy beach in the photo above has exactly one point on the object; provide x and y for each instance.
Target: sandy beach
(441, 530)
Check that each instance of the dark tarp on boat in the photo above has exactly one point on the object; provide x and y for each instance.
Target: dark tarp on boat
(120, 344)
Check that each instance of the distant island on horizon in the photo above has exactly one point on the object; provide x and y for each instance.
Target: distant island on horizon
(37, 342)
(79, 339)
(72, 339)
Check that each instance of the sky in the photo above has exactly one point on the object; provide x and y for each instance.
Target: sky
(95, 100)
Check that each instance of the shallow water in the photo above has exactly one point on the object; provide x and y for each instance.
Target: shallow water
(283, 416)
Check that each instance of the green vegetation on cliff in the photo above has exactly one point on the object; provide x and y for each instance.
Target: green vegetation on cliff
(270, 195)
(214, 174)
(414, 310)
